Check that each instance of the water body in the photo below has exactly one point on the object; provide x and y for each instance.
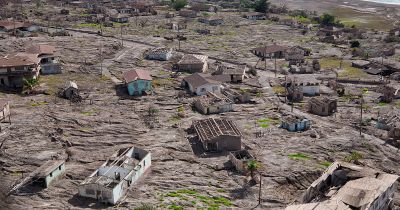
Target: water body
(395, 2)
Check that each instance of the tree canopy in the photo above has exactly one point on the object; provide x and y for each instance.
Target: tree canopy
(261, 6)
(179, 4)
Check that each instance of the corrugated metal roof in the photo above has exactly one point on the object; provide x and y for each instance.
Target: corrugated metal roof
(134, 75)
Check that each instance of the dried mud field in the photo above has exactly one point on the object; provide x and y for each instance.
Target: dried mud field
(182, 175)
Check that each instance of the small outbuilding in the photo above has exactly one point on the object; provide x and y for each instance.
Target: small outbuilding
(295, 123)
(213, 104)
(255, 16)
(119, 18)
(271, 51)
(322, 106)
(236, 74)
(161, 54)
(239, 159)
(218, 134)
(48, 172)
(138, 82)
(193, 63)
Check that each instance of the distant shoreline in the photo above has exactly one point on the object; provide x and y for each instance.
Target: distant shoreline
(384, 2)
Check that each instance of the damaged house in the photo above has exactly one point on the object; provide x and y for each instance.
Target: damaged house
(295, 123)
(192, 63)
(390, 121)
(308, 84)
(348, 186)
(138, 82)
(218, 134)
(255, 16)
(236, 74)
(239, 159)
(294, 93)
(322, 106)
(200, 84)
(212, 21)
(211, 103)
(271, 51)
(110, 182)
(119, 18)
(161, 54)
(48, 59)
(187, 13)
(236, 96)
(5, 110)
(14, 69)
(295, 55)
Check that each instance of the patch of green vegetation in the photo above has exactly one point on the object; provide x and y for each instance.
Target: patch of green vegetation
(175, 207)
(299, 156)
(223, 201)
(353, 156)
(175, 119)
(84, 129)
(221, 190)
(382, 104)
(279, 90)
(212, 202)
(89, 112)
(324, 164)
(186, 191)
(350, 17)
(172, 194)
(181, 109)
(264, 123)
(38, 103)
(348, 70)
(398, 104)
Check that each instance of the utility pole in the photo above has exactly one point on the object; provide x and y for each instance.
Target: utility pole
(101, 57)
(259, 191)
(275, 66)
(361, 114)
(122, 40)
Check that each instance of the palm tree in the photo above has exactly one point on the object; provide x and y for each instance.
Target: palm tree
(253, 166)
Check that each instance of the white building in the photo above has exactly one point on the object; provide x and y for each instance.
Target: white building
(111, 180)
(200, 84)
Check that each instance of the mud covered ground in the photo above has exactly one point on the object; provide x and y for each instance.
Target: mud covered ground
(182, 175)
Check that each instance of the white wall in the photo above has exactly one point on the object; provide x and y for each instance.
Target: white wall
(310, 90)
(208, 87)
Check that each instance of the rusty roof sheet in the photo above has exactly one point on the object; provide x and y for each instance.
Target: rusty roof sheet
(209, 129)
(41, 49)
(14, 61)
(193, 59)
(134, 75)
